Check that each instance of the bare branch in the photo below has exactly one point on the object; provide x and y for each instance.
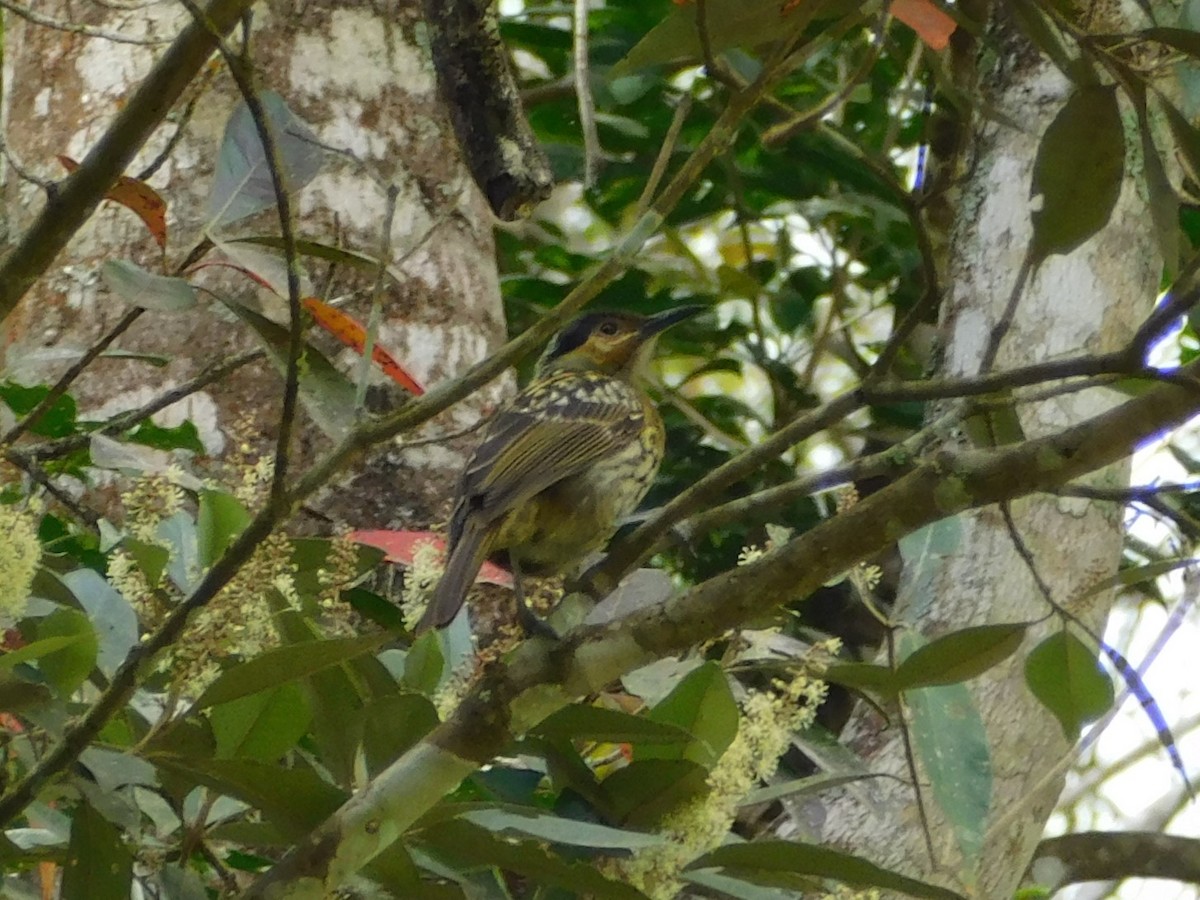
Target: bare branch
(1105, 856)
(37, 18)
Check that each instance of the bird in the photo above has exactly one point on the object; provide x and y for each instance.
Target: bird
(561, 464)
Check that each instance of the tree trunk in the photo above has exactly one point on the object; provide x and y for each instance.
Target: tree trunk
(358, 76)
(1087, 301)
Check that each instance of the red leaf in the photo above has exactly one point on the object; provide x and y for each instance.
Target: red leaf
(398, 545)
(137, 196)
(932, 25)
(353, 335)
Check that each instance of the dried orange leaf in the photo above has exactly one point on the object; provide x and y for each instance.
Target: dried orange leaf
(137, 196)
(353, 335)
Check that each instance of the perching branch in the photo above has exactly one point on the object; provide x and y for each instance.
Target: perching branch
(542, 676)
(1111, 856)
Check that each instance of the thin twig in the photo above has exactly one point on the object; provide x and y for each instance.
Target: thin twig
(910, 757)
(185, 116)
(634, 548)
(697, 418)
(55, 449)
(242, 73)
(68, 377)
(893, 462)
(39, 475)
(375, 317)
(1002, 326)
(784, 131)
(705, 38)
(592, 151)
(1174, 622)
(664, 155)
(37, 18)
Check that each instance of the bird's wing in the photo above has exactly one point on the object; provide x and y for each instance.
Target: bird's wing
(539, 440)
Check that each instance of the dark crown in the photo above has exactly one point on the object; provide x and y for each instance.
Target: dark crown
(576, 334)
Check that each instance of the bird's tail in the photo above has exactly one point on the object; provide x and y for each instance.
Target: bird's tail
(466, 557)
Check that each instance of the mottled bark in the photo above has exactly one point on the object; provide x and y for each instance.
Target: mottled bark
(1088, 301)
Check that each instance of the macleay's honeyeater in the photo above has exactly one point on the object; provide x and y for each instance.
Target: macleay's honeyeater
(561, 464)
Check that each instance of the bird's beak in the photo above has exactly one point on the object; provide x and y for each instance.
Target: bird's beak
(664, 320)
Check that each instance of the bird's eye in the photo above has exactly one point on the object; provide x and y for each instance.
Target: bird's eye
(608, 328)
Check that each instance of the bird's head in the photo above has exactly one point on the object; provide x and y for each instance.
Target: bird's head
(609, 342)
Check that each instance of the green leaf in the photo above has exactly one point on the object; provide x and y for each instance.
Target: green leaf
(703, 705)
(67, 668)
(221, 519)
(424, 664)
(1187, 140)
(557, 830)
(810, 784)
(112, 769)
(294, 800)
(1078, 171)
(862, 677)
(98, 865)
(836, 759)
(261, 726)
(469, 846)
(959, 655)
(311, 556)
(951, 744)
(112, 618)
(339, 255)
(1067, 678)
(152, 559)
(393, 724)
(641, 793)
(1137, 574)
(179, 883)
(374, 608)
(242, 183)
(328, 395)
(137, 287)
(584, 721)
(804, 859)
(58, 421)
(36, 650)
(18, 694)
(183, 436)
(728, 886)
(731, 23)
(336, 700)
(283, 664)
(1163, 201)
